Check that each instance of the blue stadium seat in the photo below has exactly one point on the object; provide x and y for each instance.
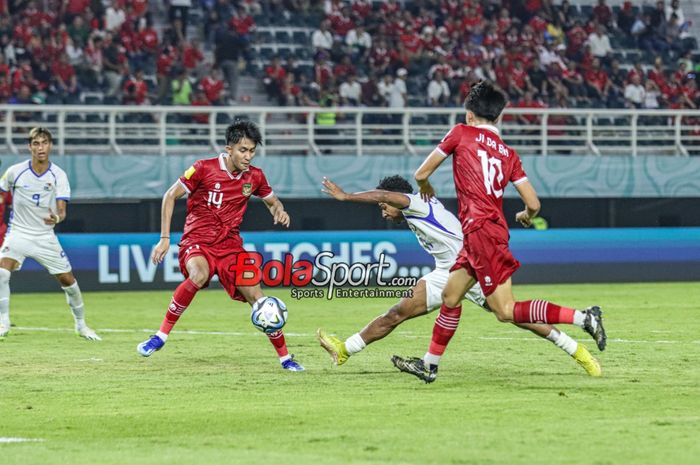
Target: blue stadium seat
(266, 53)
(264, 37)
(282, 37)
(300, 38)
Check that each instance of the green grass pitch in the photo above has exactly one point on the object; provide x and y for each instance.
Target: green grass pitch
(502, 397)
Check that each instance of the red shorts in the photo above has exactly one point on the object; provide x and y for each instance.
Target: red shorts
(219, 257)
(486, 256)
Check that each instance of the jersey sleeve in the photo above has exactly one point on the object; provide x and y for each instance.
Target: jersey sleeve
(191, 178)
(62, 186)
(449, 143)
(518, 175)
(5, 180)
(417, 206)
(262, 188)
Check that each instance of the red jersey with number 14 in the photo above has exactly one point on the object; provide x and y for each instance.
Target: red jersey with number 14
(482, 165)
(218, 199)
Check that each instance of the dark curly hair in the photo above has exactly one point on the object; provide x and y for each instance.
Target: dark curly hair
(395, 183)
(241, 128)
(486, 101)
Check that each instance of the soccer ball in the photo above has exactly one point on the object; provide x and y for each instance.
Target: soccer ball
(269, 314)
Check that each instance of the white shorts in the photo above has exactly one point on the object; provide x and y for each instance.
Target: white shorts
(45, 249)
(435, 282)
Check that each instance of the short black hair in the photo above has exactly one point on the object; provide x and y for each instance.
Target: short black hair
(243, 128)
(395, 183)
(485, 101)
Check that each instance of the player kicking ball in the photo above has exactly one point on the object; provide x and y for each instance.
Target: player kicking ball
(40, 191)
(218, 192)
(482, 167)
(439, 232)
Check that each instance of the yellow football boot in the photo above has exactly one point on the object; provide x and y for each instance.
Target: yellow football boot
(589, 363)
(334, 346)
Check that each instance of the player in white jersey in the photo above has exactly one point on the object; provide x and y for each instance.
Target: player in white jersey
(40, 192)
(439, 232)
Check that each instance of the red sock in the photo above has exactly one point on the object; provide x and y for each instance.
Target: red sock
(277, 340)
(182, 298)
(444, 328)
(541, 311)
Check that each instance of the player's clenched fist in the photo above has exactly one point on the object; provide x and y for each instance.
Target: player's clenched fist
(523, 218)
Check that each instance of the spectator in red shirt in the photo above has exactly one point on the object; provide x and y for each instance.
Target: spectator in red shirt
(65, 80)
(192, 56)
(274, 75)
(5, 88)
(344, 68)
(412, 41)
(135, 90)
(213, 86)
(164, 66)
(361, 9)
(602, 13)
(200, 100)
(528, 101)
(598, 83)
(342, 22)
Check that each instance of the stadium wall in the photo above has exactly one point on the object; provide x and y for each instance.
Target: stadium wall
(121, 261)
(147, 177)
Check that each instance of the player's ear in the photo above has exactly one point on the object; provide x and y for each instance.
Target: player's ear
(470, 117)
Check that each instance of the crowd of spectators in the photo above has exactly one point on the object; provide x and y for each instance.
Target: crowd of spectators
(418, 53)
(541, 54)
(54, 51)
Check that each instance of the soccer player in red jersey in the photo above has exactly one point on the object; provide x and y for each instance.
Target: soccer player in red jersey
(218, 192)
(482, 167)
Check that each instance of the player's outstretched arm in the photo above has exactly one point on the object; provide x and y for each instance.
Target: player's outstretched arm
(279, 216)
(395, 199)
(424, 171)
(532, 203)
(176, 191)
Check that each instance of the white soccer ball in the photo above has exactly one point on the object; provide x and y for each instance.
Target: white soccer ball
(269, 314)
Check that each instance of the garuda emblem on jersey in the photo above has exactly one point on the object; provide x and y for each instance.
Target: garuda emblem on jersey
(247, 189)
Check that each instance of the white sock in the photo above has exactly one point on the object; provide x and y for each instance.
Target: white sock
(75, 302)
(285, 358)
(354, 344)
(563, 341)
(579, 317)
(431, 359)
(162, 335)
(5, 297)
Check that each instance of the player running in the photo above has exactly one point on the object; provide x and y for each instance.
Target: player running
(439, 232)
(482, 167)
(218, 192)
(40, 192)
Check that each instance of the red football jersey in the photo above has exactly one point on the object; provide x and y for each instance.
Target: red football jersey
(218, 199)
(482, 165)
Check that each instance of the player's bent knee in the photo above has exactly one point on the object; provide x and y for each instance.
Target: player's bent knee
(504, 313)
(198, 278)
(451, 300)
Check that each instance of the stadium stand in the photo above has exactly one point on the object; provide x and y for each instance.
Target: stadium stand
(567, 55)
(573, 53)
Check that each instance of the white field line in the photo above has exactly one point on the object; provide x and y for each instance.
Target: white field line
(407, 334)
(13, 440)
